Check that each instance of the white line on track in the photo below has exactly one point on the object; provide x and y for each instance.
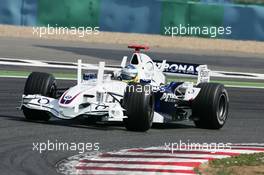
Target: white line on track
(128, 173)
(54, 64)
(177, 160)
(162, 167)
(62, 78)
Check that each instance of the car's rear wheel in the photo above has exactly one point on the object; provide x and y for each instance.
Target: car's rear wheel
(138, 103)
(210, 107)
(43, 84)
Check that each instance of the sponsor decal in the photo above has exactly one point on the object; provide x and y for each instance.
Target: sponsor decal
(43, 101)
(168, 97)
(184, 68)
(67, 97)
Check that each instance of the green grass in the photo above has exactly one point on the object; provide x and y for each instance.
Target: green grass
(224, 172)
(241, 160)
(225, 166)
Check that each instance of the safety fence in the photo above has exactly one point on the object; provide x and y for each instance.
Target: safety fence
(204, 18)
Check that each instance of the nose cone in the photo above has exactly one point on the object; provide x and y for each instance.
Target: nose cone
(74, 96)
(68, 98)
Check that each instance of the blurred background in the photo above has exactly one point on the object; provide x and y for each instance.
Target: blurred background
(246, 17)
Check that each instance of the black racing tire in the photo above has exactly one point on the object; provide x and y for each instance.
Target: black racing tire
(210, 107)
(42, 84)
(138, 103)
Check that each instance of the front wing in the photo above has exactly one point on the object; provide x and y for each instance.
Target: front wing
(110, 111)
(52, 106)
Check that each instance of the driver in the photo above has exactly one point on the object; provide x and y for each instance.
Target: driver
(129, 73)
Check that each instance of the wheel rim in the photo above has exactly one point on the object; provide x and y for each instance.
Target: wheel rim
(222, 109)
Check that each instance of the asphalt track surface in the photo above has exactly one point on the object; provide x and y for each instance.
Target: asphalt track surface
(245, 123)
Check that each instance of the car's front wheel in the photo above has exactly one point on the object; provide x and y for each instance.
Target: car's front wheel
(138, 103)
(42, 84)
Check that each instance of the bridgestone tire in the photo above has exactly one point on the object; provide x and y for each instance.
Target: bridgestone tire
(210, 107)
(139, 106)
(42, 84)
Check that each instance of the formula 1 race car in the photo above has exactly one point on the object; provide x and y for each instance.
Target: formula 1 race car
(135, 93)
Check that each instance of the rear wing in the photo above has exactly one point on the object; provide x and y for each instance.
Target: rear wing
(180, 69)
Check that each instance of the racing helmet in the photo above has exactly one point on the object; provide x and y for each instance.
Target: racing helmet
(129, 73)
